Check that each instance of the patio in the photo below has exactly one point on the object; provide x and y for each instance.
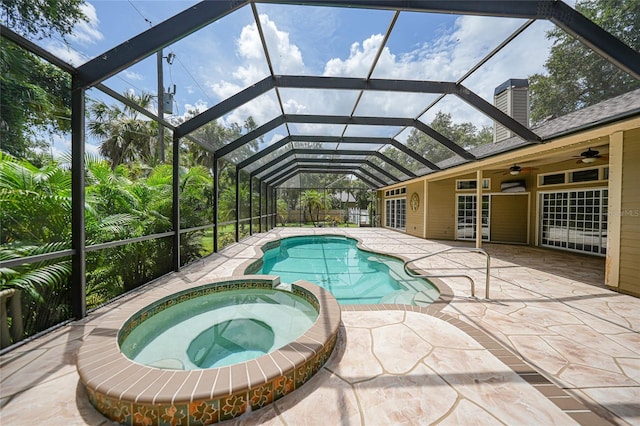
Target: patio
(551, 346)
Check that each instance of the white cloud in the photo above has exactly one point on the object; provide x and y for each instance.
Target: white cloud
(83, 34)
(359, 61)
(190, 110)
(285, 56)
(262, 109)
(445, 58)
(132, 75)
(87, 32)
(66, 53)
(253, 68)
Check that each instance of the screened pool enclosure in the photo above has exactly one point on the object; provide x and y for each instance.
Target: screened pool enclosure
(109, 183)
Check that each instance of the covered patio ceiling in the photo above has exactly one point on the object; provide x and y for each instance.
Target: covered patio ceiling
(357, 141)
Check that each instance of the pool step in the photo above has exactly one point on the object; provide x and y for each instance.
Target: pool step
(400, 297)
(404, 297)
(422, 299)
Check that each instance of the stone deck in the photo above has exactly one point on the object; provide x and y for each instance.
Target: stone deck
(550, 346)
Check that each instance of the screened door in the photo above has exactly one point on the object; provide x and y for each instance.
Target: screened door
(396, 213)
(466, 217)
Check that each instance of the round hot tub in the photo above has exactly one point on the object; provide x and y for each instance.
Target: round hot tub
(210, 352)
(215, 329)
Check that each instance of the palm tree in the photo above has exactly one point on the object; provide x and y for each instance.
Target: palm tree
(35, 218)
(125, 136)
(312, 200)
(35, 203)
(283, 210)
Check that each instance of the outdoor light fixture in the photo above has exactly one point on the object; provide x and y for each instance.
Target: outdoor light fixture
(514, 170)
(589, 156)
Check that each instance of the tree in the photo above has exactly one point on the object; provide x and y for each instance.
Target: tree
(577, 76)
(313, 200)
(43, 18)
(35, 94)
(125, 135)
(466, 135)
(283, 210)
(36, 99)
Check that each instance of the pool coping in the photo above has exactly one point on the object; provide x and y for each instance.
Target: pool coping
(126, 391)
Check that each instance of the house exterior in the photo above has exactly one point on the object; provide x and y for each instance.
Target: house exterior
(559, 194)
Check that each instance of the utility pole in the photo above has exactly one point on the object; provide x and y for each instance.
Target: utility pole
(160, 106)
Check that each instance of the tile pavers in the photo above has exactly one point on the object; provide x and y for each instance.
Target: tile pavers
(543, 324)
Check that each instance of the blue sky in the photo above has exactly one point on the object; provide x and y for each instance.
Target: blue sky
(227, 56)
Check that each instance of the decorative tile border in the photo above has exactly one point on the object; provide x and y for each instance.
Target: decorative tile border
(135, 394)
(192, 293)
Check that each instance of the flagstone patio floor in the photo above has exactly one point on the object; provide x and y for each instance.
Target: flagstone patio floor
(551, 345)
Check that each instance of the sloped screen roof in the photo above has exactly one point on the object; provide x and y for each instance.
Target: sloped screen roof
(335, 86)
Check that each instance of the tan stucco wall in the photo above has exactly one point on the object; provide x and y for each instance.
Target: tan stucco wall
(441, 210)
(509, 218)
(513, 217)
(415, 219)
(508, 215)
(629, 267)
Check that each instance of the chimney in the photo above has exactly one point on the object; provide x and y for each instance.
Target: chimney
(512, 98)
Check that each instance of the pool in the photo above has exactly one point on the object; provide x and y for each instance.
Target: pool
(352, 275)
(222, 382)
(218, 329)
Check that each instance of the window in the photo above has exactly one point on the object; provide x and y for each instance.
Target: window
(574, 176)
(555, 179)
(394, 192)
(396, 210)
(574, 220)
(466, 215)
(585, 175)
(470, 184)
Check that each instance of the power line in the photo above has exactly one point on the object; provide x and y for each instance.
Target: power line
(140, 13)
(88, 58)
(195, 81)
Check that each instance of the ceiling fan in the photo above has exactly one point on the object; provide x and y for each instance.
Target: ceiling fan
(589, 156)
(516, 170)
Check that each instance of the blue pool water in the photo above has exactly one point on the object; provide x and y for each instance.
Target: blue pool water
(352, 275)
(219, 329)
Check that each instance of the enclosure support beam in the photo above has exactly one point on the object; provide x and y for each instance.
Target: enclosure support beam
(273, 204)
(478, 223)
(215, 205)
(176, 202)
(78, 263)
(297, 169)
(597, 39)
(260, 203)
(249, 137)
(268, 150)
(160, 104)
(162, 35)
(376, 154)
(237, 204)
(269, 206)
(277, 175)
(250, 203)
(226, 106)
